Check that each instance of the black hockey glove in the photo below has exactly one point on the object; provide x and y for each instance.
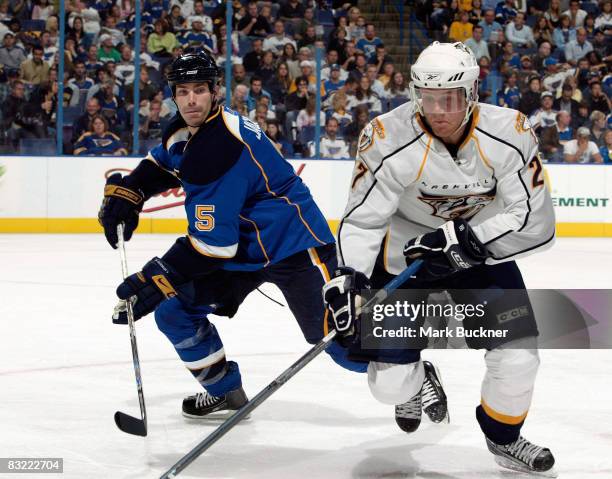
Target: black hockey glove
(122, 204)
(340, 295)
(452, 247)
(156, 282)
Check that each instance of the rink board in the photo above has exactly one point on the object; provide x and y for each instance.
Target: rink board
(63, 194)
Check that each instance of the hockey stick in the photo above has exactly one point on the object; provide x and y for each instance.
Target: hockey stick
(125, 422)
(285, 376)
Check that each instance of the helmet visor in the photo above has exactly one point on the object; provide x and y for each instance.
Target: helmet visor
(441, 101)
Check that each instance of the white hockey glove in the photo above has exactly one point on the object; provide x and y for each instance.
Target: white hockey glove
(341, 297)
(452, 247)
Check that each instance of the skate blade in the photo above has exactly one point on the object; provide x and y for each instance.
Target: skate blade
(216, 416)
(508, 464)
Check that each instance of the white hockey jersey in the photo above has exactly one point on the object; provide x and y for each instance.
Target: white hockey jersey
(406, 183)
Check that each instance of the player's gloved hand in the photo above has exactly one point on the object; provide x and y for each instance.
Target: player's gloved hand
(452, 247)
(156, 282)
(341, 297)
(122, 204)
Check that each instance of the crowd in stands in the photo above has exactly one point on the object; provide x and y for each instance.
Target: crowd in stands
(547, 58)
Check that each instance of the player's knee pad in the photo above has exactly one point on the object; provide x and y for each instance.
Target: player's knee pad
(395, 383)
(166, 314)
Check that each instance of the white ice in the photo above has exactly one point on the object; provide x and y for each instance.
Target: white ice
(66, 369)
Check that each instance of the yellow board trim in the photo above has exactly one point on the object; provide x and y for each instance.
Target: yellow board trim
(503, 418)
(169, 225)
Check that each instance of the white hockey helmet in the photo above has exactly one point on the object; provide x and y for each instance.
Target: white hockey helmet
(446, 66)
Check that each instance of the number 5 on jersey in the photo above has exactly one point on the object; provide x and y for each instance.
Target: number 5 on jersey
(206, 221)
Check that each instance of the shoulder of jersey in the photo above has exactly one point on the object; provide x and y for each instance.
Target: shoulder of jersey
(391, 132)
(504, 124)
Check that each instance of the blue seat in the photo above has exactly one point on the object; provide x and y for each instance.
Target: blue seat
(325, 17)
(307, 134)
(33, 25)
(37, 146)
(590, 7)
(71, 113)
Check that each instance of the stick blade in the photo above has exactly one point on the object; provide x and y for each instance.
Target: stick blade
(130, 425)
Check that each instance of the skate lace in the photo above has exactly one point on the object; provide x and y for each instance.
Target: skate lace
(524, 450)
(205, 399)
(409, 409)
(429, 393)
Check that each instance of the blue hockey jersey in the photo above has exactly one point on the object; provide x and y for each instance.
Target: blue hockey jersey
(244, 202)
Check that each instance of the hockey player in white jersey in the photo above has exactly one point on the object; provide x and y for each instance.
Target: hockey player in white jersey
(460, 185)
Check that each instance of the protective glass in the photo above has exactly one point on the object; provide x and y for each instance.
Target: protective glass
(443, 101)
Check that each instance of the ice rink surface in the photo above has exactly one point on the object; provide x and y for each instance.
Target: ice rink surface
(66, 369)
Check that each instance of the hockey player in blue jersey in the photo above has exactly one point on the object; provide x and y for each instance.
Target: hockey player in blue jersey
(251, 220)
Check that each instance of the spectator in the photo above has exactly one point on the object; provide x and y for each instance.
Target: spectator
(330, 59)
(581, 150)
(111, 105)
(566, 102)
(186, 7)
(330, 146)
(334, 83)
(525, 73)
(297, 100)
(278, 140)
(197, 37)
(553, 138)
(461, 29)
(80, 79)
(306, 70)
(505, 11)
(598, 127)
(162, 40)
(397, 87)
(518, 33)
(176, 20)
(305, 22)
(49, 47)
(575, 14)
(107, 52)
(553, 14)
(157, 8)
(484, 87)
(545, 116)
(530, 100)
(577, 48)
(492, 31)
(309, 38)
(375, 84)
(278, 86)
(99, 141)
(292, 9)
(582, 119)
(35, 71)
(252, 60)
(253, 24)
(365, 96)
(564, 33)
(307, 117)
(267, 69)
(278, 39)
(221, 58)
(542, 31)
(11, 55)
(290, 57)
(362, 118)
(239, 76)
(81, 125)
(238, 103)
(92, 64)
(33, 118)
(110, 28)
(340, 109)
(544, 51)
(255, 93)
(359, 66)
(370, 41)
(508, 56)
(198, 12)
(125, 68)
(152, 125)
(145, 86)
(387, 73)
(601, 44)
(477, 44)
(605, 17)
(349, 53)
(353, 18)
(380, 58)
(42, 10)
(598, 100)
(338, 41)
(606, 150)
(12, 105)
(510, 95)
(476, 13)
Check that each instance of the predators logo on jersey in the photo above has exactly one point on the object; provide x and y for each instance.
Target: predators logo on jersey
(366, 139)
(462, 206)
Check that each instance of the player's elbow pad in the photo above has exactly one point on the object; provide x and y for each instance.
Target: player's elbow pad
(188, 262)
